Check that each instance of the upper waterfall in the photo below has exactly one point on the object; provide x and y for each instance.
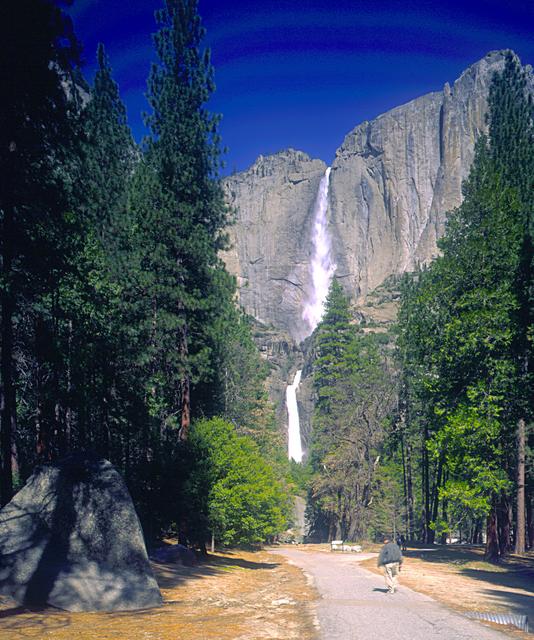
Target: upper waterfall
(322, 266)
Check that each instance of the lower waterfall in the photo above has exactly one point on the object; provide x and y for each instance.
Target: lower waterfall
(294, 442)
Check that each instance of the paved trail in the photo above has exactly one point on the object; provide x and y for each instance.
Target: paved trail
(354, 606)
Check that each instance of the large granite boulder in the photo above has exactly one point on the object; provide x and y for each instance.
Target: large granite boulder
(70, 538)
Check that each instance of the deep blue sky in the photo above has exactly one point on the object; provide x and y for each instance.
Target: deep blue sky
(291, 73)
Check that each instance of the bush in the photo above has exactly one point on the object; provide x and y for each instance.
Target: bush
(232, 488)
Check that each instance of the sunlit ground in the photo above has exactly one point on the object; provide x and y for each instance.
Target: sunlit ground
(232, 596)
(459, 577)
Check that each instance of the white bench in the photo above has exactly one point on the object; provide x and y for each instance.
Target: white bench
(339, 545)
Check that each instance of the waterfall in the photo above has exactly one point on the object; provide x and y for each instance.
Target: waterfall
(294, 443)
(321, 267)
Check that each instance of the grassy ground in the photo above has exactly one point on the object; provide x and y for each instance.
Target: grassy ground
(230, 596)
(251, 596)
(458, 577)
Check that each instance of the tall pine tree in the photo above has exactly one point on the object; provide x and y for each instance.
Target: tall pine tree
(511, 137)
(467, 351)
(180, 215)
(39, 52)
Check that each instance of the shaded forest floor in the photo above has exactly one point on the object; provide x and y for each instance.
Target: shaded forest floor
(458, 577)
(230, 596)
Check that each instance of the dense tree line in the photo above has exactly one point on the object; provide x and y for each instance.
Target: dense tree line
(119, 328)
(438, 440)
(355, 392)
(465, 341)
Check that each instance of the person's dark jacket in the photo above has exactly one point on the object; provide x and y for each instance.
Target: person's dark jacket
(390, 552)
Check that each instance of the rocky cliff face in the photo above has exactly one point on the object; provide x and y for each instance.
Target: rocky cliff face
(394, 179)
(273, 203)
(392, 182)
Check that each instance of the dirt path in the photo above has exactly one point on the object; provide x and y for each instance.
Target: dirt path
(354, 605)
(231, 596)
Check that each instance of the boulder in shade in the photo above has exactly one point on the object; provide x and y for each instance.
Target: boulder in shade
(71, 538)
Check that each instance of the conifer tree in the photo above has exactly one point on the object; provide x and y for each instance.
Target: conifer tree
(39, 52)
(510, 118)
(109, 152)
(354, 392)
(93, 331)
(467, 349)
(332, 339)
(180, 212)
(511, 136)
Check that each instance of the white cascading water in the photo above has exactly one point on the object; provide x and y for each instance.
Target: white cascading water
(294, 443)
(321, 271)
(321, 267)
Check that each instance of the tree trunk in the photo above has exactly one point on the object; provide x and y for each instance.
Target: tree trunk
(7, 404)
(404, 485)
(106, 401)
(7, 384)
(68, 409)
(504, 523)
(407, 482)
(492, 552)
(425, 486)
(42, 416)
(445, 518)
(530, 522)
(476, 533)
(520, 500)
(435, 501)
(409, 487)
(185, 390)
(185, 421)
(332, 529)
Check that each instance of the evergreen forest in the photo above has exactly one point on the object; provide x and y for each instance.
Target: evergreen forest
(427, 432)
(120, 334)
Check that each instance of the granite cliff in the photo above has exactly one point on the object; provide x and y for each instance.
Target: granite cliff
(392, 182)
(270, 241)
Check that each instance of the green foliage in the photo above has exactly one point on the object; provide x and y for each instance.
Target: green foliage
(109, 155)
(511, 134)
(174, 279)
(355, 392)
(387, 515)
(112, 289)
(471, 443)
(240, 378)
(331, 344)
(332, 338)
(464, 322)
(234, 489)
(39, 233)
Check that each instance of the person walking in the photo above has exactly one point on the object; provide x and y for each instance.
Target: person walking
(390, 557)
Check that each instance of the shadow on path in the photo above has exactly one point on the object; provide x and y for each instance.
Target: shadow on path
(170, 575)
(33, 622)
(511, 579)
